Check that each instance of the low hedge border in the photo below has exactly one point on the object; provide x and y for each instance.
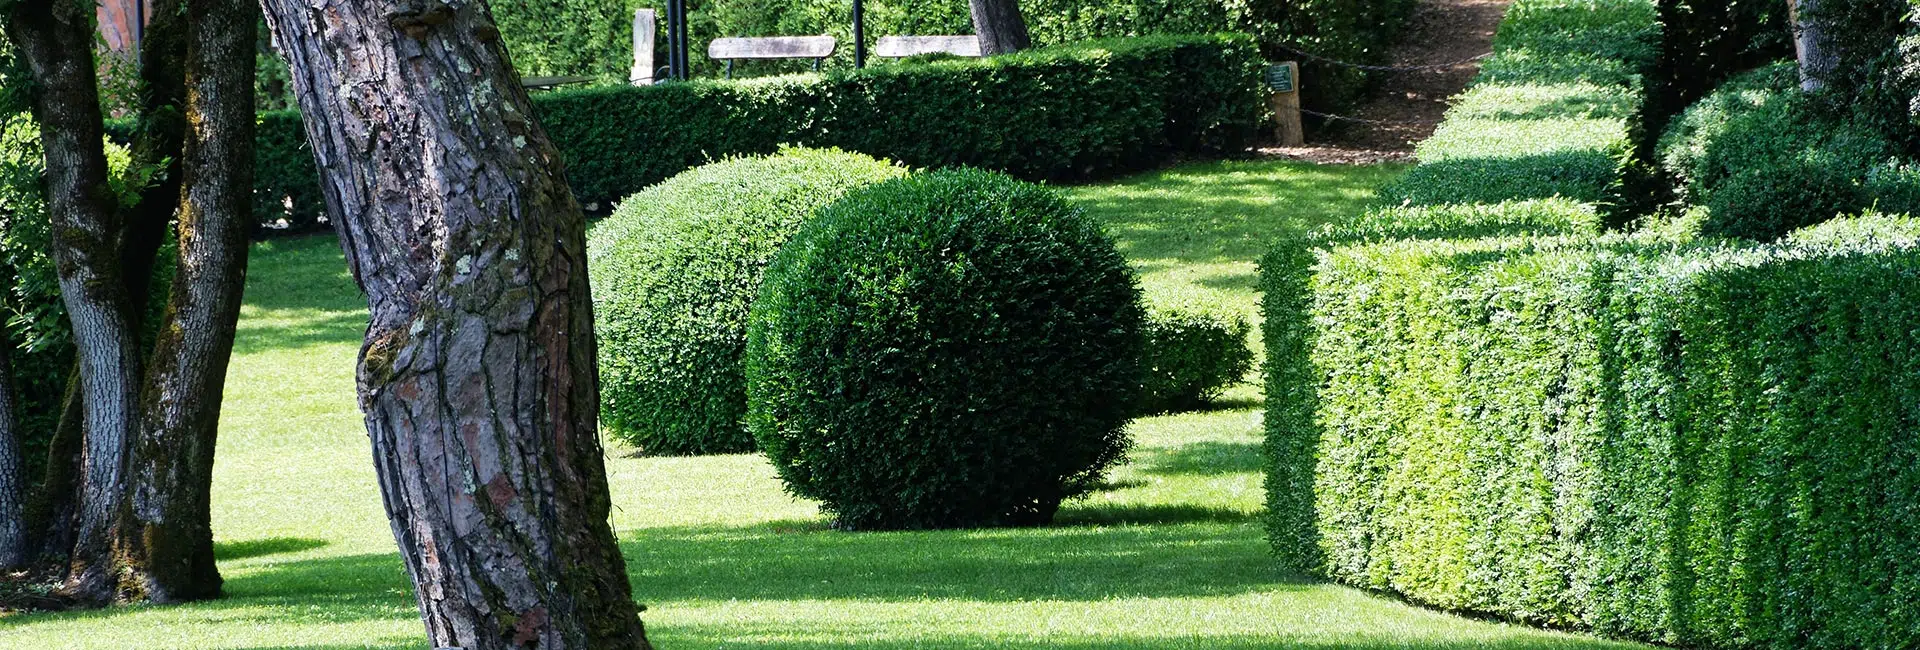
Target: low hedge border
(1070, 112)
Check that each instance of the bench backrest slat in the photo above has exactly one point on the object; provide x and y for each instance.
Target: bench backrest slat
(772, 47)
(905, 46)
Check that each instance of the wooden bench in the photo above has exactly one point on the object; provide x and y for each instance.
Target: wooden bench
(895, 47)
(771, 47)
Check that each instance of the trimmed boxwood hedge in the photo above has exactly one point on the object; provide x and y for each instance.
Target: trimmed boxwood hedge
(675, 271)
(949, 349)
(1552, 114)
(1069, 112)
(1193, 353)
(1690, 443)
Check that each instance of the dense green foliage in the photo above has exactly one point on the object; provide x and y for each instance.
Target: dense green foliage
(1552, 113)
(950, 349)
(1764, 159)
(1193, 352)
(567, 37)
(675, 271)
(1349, 30)
(1683, 442)
(1706, 42)
(32, 318)
(1872, 84)
(1076, 112)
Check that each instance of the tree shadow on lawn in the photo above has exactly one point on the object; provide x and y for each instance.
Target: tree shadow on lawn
(243, 549)
(1207, 458)
(1058, 563)
(1226, 211)
(761, 563)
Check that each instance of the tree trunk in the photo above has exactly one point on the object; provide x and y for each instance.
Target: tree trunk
(13, 486)
(477, 375)
(56, 41)
(999, 26)
(50, 510)
(168, 539)
(1811, 45)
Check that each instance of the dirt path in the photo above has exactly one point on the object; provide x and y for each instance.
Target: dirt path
(1439, 31)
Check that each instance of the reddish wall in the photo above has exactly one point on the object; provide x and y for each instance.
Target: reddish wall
(117, 23)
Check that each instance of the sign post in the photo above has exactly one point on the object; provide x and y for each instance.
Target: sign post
(1283, 82)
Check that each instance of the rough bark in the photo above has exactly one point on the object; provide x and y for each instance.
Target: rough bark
(167, 543)
(477, 376)
(1811, 45)
(999, 26)
(56, 41)
(13, 486)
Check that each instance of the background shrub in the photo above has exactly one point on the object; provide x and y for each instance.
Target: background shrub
(1072, 112)
(1193, 353)
(1763, 161)
(949, 349)
(675, 271)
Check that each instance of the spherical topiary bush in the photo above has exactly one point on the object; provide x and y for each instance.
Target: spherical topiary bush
(949, 349)
(675, 270)
(1193, 353)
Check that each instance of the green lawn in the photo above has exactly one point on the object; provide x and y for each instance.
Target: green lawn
(1170, 557)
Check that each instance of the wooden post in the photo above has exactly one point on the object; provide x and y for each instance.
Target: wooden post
(644, 34)
(1283, 80)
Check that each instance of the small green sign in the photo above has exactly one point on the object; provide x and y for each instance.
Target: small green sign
(1280, 78)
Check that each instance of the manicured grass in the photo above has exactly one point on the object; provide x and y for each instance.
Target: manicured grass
(1169, 557)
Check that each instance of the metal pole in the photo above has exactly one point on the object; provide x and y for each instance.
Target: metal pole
(859, 34)
(676, 39)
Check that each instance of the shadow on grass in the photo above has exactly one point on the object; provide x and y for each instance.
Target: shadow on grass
(1226, 211)
(1206, 459)
(261, 547)
(787, 561)
(299, 293)
(1144, 515)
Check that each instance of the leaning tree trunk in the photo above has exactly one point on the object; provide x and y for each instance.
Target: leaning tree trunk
(1811, 44)
(999, 26)
(167, 545)
(477, 375)
(13, 486)
(56, 41)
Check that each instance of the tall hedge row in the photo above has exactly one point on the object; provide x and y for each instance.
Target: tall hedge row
(1068, 112)
(1553, 112)
(591, 40)
(1487, 404)
(1691, 443)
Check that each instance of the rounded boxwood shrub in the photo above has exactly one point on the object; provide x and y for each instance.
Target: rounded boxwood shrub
(675, 270)
(1764, 160)
(1192, 354)
(951, 349)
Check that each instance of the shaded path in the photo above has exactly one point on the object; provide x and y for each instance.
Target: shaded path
(1439, 31)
